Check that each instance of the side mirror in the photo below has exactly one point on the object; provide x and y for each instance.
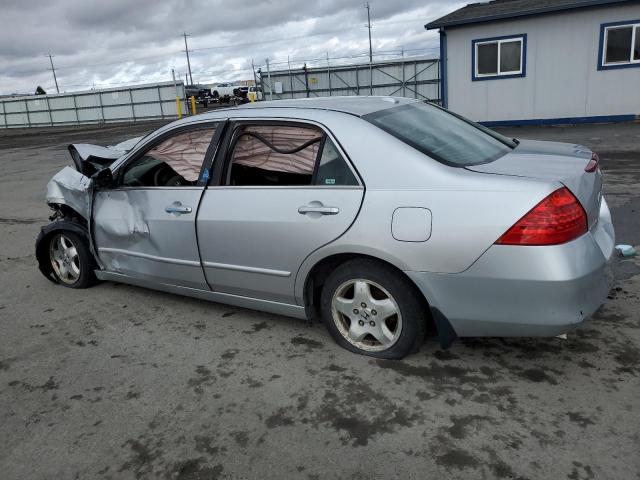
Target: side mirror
(102, 178)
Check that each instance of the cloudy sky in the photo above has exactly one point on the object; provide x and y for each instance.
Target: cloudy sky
(104, 43)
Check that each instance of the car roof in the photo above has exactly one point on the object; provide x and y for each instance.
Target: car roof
(354, 105)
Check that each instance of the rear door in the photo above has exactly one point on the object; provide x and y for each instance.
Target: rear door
(145, 226)
(283, 189)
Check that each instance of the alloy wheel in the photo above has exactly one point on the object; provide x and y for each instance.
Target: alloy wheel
(366, 315)
(64, 259)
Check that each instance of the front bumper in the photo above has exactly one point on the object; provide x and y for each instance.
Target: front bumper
(526, 291)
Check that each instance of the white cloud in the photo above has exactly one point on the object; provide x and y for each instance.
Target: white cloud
(116, 42)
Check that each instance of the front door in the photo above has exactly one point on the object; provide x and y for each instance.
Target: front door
(285, 191)
(145, 226)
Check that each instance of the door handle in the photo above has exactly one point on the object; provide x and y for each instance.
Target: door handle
(321, 210)
(177, 208)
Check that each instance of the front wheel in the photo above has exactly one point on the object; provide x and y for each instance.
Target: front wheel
(371, 309)
(71, 261)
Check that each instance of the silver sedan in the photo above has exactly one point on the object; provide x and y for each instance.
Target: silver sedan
(385, 218)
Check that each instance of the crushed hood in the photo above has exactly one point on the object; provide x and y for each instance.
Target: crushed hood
(89, 158)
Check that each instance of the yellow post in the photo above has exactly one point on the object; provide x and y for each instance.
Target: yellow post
(193, 104)
(179, 107)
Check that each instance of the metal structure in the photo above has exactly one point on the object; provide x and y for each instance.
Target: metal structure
(122, 104)
(414, 77)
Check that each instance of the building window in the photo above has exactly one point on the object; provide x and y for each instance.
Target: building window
(500, 57)
(619, 45)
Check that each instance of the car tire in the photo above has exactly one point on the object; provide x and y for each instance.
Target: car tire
(71, 261)
(372, 309)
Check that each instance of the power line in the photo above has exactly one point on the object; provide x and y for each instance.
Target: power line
(54, 73)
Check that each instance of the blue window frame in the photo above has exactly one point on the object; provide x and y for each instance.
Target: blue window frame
(619, 45)
(499, 58)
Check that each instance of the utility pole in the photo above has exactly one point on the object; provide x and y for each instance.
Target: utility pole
(54, 73)
(269, 77)
(290, 77)
(366, 5)
(186, 50)
(255, 78)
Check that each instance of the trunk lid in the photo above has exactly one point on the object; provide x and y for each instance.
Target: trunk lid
(562, 162)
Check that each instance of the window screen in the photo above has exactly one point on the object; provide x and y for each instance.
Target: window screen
(618, 47)
(274, 155)
(488, 59)
(510, 53)
(174, 162)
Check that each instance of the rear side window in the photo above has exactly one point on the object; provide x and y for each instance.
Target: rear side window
(441, 135)
(333, 169)
(286, 155)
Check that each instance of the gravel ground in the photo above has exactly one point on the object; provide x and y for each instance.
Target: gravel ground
(121, 382)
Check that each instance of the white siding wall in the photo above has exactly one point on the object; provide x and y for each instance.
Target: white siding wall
(562, 79)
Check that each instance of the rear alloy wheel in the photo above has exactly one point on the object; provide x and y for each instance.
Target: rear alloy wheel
(71, 261)
(371, 309)
(366, 315)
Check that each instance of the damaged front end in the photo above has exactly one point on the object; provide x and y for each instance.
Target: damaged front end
(70, 196)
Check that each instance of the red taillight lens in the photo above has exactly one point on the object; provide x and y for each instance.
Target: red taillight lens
(592, 166)
(559, 218)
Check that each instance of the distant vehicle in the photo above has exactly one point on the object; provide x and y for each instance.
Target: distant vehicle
(253, 90)
(196, 90)
(248, 93)
(381, 216)
(222, 90)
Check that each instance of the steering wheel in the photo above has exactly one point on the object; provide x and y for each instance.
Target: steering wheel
(165, 176)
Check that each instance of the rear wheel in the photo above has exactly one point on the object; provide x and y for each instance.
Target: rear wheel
(71, 261)
(371, 309)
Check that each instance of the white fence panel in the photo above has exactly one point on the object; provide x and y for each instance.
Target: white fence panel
(125, 104)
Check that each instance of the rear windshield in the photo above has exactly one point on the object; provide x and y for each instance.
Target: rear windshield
(443, 136)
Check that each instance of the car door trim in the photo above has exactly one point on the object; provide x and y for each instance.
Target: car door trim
(147, 256)
(270, 306)
(242, 268)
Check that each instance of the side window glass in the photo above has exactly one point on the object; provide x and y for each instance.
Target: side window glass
(274, 155)
(333, 169)
(176, 162)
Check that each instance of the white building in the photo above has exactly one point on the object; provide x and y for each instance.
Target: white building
(542, 61)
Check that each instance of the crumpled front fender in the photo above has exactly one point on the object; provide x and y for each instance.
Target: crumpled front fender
(72, 188)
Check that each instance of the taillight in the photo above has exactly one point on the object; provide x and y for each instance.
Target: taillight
(592, 166)
(559, 218)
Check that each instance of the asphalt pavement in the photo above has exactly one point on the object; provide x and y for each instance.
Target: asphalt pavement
(119, 382)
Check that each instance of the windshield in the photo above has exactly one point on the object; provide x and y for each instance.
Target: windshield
(443, 136)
